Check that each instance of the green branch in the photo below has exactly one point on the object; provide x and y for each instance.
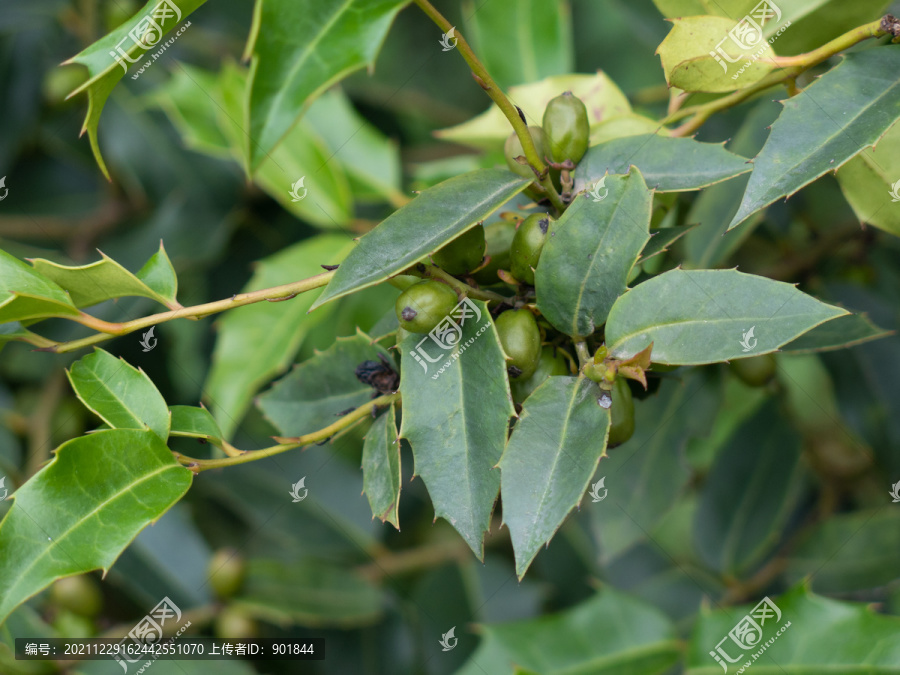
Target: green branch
(285, 444)
(484, 79)
(109, 330)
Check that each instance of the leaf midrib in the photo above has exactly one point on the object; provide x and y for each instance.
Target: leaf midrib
(144, 426)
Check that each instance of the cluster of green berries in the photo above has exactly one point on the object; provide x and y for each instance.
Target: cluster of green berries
(508, 252)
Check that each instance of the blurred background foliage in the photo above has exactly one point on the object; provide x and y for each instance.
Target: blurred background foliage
(725, 493)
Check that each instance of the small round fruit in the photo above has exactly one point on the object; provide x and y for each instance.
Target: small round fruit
(235, 624)
(463, 254)
(755, 371)
(498, 238)
(79, 595)
(549, 364)
(521, 340)
(226, 572)
(422, 306)
(526, 247)
(621, 413)
(566, 128)
(513, 148)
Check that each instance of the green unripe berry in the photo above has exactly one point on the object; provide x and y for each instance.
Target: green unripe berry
(226, 572)
(566, 128)
(755, 371)
(79, 595)
(521, 340)
(463, 254)
(422, 306)
(549, 364)
(527, 245)
(235, 624)
(621, 413)
(513, 148)
(498, 238)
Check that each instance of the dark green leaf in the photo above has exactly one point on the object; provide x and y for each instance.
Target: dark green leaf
(455, 416)
(817, 635)
(589, 252)
(26, 294)
(608, 634)
(839, 115)
(119, 394)
(90, 284)
(849, 551)
(668, 164)
(299, 51)
(381, 468)
(316, 391)
(80, 511)
(257, 341)
(108, 57)
(309, 593)
(845, 331)
(705, 316)
(435, 217)
(521, 42)
(548, 463)
(752, 489)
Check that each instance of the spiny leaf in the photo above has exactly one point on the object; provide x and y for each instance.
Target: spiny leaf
(548, 463)
(668, 164)
(589, 252)
(119, 394)
(90, 284)
(381, 468)
(436, 216)
(305, 48)
(706, 316)
(834, 119)
(456, 410)
(80, 511)
(108, 58)
(26, 294)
